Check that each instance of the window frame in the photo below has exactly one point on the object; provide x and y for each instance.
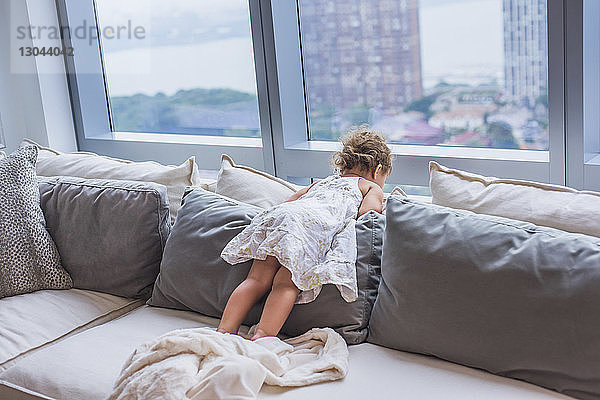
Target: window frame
(284, 148)
(90, 104)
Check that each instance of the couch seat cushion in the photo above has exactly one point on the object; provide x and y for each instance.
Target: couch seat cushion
(86, 366)
(34, 319)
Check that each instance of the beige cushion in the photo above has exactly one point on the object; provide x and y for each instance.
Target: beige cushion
(539, 203)
(34, 319)
(89, 165)
(252, 186)
(85, 366)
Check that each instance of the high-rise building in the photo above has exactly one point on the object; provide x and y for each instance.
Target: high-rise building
(361, 53)
(525, 50)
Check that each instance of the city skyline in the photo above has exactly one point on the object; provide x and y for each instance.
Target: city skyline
(363, 64)
(338, 69)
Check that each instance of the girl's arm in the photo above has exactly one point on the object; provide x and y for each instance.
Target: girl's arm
(372, 198)
(300, 192)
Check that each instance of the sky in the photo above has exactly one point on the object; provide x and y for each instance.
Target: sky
(461, 40)
(461, 37)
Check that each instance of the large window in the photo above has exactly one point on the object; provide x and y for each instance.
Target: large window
(462, 82)
(189, 68)
(491, 86)
(428, 72)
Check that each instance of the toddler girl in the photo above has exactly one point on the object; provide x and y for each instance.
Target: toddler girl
(311, 236)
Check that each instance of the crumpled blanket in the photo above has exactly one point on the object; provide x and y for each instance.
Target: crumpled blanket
(204, 364)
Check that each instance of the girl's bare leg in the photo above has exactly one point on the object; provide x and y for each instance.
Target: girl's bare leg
(249, 292)
(278, 306)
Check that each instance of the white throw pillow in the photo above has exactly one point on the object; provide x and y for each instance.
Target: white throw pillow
(93, 166)
(539, 203)
(251, 186)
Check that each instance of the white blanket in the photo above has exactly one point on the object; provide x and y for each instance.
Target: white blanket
(205, 364)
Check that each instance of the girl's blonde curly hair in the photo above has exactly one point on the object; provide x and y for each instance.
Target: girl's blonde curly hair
(364, 149)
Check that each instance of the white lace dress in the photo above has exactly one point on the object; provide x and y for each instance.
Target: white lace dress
(314, 237)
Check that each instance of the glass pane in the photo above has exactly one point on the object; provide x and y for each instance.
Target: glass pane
(591, 77)
(189, 69)
(410, 190)
(429, 72)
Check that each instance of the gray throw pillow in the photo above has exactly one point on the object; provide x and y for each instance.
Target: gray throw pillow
(29, 260)
(110, 234)
(506, 296)
(194, 277)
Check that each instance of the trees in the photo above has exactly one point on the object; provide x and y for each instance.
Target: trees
(423, 105)
(501, 135)
(187, 111)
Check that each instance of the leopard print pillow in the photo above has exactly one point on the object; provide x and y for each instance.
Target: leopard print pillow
(29, 260)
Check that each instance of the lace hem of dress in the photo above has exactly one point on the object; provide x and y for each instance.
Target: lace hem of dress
(309, 288)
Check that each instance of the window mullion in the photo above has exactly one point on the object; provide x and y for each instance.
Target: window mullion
(257, 24)
(573, 64)
(556, 91)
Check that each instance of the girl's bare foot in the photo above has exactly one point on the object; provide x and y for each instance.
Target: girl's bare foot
(223, 330)
(259, 334)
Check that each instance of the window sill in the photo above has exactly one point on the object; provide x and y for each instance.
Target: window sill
(441, 151)
(594, 160)
(188, 139)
